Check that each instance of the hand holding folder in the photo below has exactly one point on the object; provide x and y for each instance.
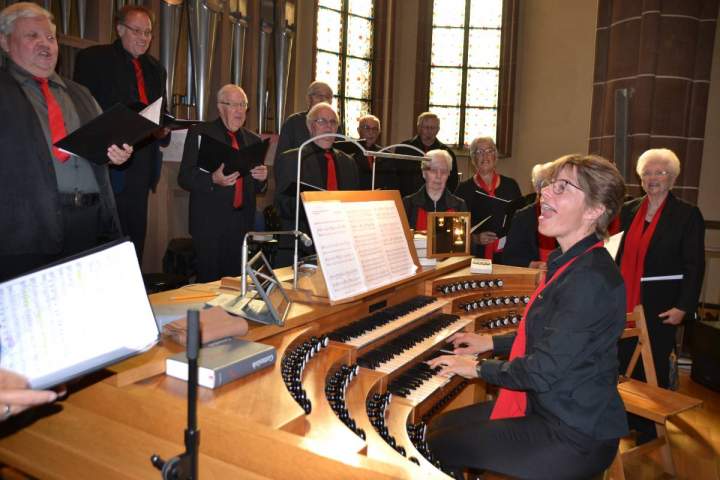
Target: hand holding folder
(213, 153)
(116, 126)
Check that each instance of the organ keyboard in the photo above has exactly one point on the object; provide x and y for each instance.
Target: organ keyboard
(337, 403)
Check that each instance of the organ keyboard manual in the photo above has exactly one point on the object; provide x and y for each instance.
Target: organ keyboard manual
(75, 316)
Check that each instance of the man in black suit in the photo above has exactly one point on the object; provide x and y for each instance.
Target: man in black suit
(51, 204)
(222, 207)
(295, 130)
(323, 168)
(385, 173)
(123, 72)
(409, 173)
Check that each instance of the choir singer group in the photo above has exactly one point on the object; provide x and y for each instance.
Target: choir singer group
(558, 414)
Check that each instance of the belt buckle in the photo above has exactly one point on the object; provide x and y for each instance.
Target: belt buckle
(77, 198)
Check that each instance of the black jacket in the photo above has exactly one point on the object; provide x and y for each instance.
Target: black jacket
(385, 172)
(570, 367)
(410, 173)
(421, 200)
(108, 72)
(314, 172)
(521, 246)
(30, 212)
(211, 206)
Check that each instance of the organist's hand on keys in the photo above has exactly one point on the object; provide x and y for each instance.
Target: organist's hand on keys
(463, 365)
(470, 343)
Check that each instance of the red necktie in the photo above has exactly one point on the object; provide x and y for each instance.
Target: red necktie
(238, 198)
(140, 81)
(331, 177)
(371, 160)
(55, 118)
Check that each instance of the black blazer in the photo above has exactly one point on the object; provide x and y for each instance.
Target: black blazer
(677, 247)
(521, 246)
(211, 206)
(409, 173)
(108, 72)
(30, 212)
(314, 172)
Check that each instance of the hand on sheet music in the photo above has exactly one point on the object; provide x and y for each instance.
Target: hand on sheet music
(118, 155)
(463, 365)
(484, 238)
(471, 343)
(219, 178)
(15, 396)
(674, 316)
(259, 173)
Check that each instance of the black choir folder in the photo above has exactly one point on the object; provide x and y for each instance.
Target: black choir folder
(213, 152)
(223, 362)
(115, 126)
(75, 316)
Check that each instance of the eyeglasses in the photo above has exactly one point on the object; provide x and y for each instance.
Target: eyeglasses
(483, 151)
(369, 128)
(138, 31)
(324, 122)
(559, 185)
(239, 105)
(659, 173)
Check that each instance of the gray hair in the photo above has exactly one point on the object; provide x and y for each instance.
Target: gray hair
(314, 112)
(477, 140)
(438, 153)
(369, 117)
(664, 155)
(227, 88)
(316, 86)
(21, 10)
(425, 116)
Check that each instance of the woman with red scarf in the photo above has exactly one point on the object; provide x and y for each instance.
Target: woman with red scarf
(558, 414)
(662, 256)
(487, 194)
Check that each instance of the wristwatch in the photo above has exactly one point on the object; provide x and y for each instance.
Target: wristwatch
(478, 367)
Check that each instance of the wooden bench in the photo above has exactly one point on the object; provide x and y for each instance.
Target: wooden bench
(647, 400)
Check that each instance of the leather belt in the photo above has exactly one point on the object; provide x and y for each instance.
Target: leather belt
(79, 199)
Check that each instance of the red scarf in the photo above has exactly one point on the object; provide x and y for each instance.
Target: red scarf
(238, 196)
(513, 403)
(421, 218)
(545, 244)
(634, 251)
(490, 248)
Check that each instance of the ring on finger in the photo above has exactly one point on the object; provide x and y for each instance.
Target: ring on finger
(5, 413)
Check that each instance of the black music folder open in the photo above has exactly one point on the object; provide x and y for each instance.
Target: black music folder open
(214, 152)
(503, 212)
(168, 121)
(115, 126)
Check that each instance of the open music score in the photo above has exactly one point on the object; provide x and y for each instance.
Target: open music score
(361, 245)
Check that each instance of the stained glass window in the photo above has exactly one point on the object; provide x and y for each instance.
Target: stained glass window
(465, 68)
(344, 53)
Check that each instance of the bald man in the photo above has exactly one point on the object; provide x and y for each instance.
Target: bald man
(222, 207)
(323, 167)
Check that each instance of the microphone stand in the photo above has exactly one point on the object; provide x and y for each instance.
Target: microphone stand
(380, 153)
(185, 465)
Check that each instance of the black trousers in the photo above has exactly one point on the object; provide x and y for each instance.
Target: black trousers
(530, 447)
(81, 228)
(132, 207)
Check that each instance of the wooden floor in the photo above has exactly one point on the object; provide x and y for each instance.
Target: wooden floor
(694, 437)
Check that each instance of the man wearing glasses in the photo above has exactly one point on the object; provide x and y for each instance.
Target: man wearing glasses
(323, 168)
(385, 172)
(123, 72)
(222, 207)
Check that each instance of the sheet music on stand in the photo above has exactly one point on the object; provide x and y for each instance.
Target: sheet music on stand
(361, 245)
(76, 316)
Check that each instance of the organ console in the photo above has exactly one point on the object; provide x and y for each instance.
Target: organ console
(349, 397)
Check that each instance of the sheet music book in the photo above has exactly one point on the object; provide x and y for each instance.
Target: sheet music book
(213, 152)
(115, 126)
(361, 245)
(76, 316)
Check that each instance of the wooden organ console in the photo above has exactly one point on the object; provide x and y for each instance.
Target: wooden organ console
(349, 396)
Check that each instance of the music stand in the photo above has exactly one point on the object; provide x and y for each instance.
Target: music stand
(267, 301)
